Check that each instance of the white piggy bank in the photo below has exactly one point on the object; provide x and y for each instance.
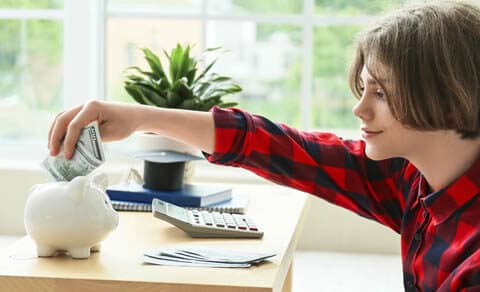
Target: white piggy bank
(70, 216)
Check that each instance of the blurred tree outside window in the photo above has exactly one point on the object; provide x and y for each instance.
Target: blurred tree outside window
(31, 72)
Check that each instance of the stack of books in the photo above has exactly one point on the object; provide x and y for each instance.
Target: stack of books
(132, 196)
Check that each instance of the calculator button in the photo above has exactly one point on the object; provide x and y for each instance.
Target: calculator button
(207, 218)
(218, 220)
(240, 220)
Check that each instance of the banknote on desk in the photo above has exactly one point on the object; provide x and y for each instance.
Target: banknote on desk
(204, 256)
(88, 155)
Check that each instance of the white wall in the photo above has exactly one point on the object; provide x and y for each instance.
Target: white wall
(327, 227)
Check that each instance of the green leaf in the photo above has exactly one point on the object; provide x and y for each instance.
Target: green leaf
(215, 98)
(135, 78)
(154, 63)
(228, 104)
(176, 61)
(190, 104)
(191, 76)
(221, 78)
(222, 90)
(235, 88)
(163, 84)
(172, 99)
(186, 63)
(207, 105)
(149, 95)
(205, 70)
(184, 91)
(147, 83)
(146, 73)
(213, 49)
(202, 88)
(179, 92)
(134, 93)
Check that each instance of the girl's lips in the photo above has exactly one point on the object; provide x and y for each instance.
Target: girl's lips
(368, 134)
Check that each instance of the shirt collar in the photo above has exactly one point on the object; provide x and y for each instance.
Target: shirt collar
(443, 203)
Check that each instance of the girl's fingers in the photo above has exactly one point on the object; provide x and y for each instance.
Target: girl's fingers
(87, 114)
(59, 128)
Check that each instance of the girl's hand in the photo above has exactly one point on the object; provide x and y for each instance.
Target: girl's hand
(115, 121)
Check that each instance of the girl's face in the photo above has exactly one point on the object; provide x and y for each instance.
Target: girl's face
(385, 136)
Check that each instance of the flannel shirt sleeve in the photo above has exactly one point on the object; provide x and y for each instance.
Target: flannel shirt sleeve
(465, 277)
(318, 163)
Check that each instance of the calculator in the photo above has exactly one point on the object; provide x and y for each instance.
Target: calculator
(206, 223)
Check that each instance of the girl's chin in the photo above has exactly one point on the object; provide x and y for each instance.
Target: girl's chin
(376, 154)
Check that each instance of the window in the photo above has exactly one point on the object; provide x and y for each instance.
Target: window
(290, 56)
(31, 68)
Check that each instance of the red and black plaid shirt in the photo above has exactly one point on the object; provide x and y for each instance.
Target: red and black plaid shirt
(440, 231)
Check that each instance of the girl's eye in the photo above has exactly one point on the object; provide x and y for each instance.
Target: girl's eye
(380, 94)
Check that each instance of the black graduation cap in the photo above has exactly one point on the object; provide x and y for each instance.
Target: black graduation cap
(163, 170)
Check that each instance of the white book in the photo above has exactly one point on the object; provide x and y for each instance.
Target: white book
(238, 204)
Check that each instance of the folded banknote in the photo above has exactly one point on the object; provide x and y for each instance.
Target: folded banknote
(88, 155)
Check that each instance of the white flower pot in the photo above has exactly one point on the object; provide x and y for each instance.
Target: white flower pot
(154, 142)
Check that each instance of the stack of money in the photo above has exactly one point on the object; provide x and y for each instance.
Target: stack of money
(88, 155)
(204, 256)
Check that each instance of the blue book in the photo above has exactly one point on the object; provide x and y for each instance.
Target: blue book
(191, 195)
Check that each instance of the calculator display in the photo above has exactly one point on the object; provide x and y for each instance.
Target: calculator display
(177, 212)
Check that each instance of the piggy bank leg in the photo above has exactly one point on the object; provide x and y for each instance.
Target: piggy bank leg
(96, 248)
(45, 251)
(80, 253)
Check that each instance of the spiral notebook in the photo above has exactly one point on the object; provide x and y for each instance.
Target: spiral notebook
(237, 204)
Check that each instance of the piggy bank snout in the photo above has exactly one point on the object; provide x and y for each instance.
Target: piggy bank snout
(114, 220)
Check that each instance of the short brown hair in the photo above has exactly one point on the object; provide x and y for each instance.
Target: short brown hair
(431, 53)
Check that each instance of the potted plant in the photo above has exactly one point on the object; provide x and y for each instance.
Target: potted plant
(184, 86)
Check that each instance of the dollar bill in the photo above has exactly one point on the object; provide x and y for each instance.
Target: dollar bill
(88, 155)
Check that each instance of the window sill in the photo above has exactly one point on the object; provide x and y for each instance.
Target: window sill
(117, 167)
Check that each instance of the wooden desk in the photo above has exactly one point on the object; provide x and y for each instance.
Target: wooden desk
(279, 211)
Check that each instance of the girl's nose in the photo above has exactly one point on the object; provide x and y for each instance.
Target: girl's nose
(362, 109)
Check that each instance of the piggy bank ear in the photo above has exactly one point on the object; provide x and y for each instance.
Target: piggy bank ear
(76, 188)
(33, 188)
(100, 181)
